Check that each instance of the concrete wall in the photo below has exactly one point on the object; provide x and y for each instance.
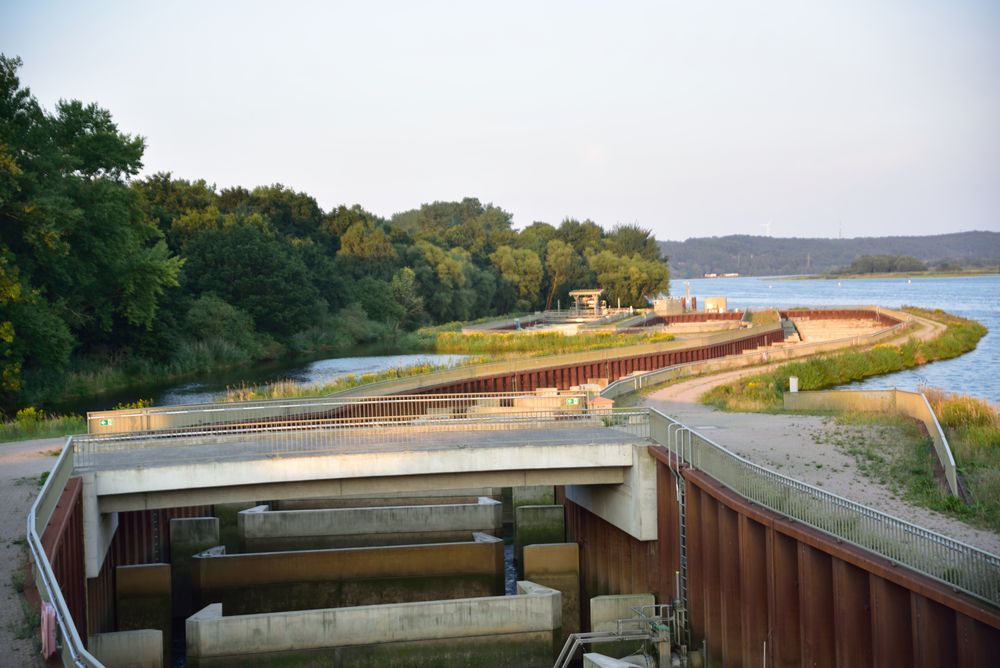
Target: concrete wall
(283, 581)
(188, 537)
(557, 566)
(535, 495)
(264, 530)
(502, 630)
(428, 498)
(536, 524)
(128, 649)
(143, 600)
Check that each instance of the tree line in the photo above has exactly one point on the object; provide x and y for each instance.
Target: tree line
(99, 267)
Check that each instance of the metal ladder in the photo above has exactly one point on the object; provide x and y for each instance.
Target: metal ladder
(682, 576)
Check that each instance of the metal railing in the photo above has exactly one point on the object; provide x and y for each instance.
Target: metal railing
(70, 645)
(174, 417)
(954, 563)
(285, 437)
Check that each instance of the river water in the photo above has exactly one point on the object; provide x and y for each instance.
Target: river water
(978, 297)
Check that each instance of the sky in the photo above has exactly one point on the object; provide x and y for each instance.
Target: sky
(815, 119)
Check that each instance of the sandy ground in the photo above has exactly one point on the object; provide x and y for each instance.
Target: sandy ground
(21, 464)
(794, 445)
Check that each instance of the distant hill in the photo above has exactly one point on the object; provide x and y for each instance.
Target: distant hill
(774, 256)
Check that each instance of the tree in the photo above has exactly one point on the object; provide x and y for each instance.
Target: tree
(562, 263)
(245, 262)
(87, 258)
(365, 249)
(523, 269)
(629, 279)
(629, 240)
(404, 291)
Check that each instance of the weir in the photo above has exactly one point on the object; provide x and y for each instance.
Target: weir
(722, 560)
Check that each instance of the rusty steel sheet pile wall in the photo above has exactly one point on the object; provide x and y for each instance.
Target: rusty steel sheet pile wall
(62, 542)
(564, 377)
(756, 579)
(142, 537)
(690, 317)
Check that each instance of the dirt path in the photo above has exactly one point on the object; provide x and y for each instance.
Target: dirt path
(797, 446)
(21, 463)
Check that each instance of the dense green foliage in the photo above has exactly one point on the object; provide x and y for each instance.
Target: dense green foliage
(765, 391)
(882, 264)
(109, 281)
(776, 256)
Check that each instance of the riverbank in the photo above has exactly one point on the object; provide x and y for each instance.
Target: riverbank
(990, 271)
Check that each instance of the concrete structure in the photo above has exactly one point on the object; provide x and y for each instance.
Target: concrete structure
(630, 506)
(199, 470)
(428, 498)
(557, 566)
(188, 537)
(716, 305)
(263, 530)
(143, 599)
(536, 495)
(595, 660)
(313, 579)
(587, 300)
(536, 524)
(605, 611)
(495, 631)
(128, 649)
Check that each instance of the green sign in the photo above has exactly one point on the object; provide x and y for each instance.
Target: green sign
(572, 401)
(106, 422)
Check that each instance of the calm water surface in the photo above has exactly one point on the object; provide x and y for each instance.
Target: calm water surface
(977, 297)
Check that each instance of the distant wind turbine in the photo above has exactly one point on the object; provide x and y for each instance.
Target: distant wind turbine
(767, 228)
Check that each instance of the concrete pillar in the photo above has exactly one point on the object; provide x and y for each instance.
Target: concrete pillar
(134, 649)
(536, 524)
(143, 600)
(557, 566)
(188, 537)
(533, 495)
(605, 611)
(98, 528)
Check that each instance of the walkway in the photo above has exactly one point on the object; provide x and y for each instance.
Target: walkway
(21, 463)
(795, 445)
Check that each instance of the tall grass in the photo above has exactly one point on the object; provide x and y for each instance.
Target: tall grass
(542, 343)
(973, 430)
(33, 423)
(765, 391)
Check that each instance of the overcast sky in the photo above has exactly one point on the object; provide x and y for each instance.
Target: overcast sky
(690, 118)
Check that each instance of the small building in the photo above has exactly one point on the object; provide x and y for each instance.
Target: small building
(586, 300)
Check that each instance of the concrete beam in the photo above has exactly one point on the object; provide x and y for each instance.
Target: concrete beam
(372, 486)
(630, 506)
(208, 474)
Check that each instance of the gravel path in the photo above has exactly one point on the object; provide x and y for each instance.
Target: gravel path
(794, 446)
(21, 463)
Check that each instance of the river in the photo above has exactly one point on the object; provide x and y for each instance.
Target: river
(978, 297)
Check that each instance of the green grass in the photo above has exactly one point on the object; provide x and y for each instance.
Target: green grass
(765, 391)
(896, 451)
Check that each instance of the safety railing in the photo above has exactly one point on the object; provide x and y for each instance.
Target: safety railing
(954, 563)
(174, 417)
(283, 437)
(69, 643)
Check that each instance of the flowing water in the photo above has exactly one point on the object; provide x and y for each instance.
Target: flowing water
(978, 297)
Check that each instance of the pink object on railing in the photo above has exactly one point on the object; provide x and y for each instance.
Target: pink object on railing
(48, 630)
